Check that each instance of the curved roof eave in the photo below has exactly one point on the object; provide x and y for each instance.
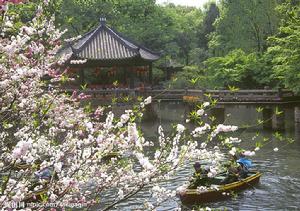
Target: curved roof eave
(104, 43)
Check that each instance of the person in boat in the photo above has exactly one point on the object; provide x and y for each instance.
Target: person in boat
(237, 169)
(44, 174)
(232, 172)
(244, 165)
(199, 177)
(247, 163)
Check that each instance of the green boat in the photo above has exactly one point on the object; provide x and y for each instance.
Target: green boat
(218, 192)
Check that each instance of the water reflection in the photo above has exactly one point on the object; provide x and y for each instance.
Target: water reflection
(279, 188)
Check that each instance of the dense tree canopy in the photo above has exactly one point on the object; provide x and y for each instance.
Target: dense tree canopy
(252, 44)
(244, 24)
(243, 43)
(212, 13)
(239, 69)
(285, 46)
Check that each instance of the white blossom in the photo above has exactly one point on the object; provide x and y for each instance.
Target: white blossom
(82, 61)
(148, 100)
(249, 153)
(124, 118)
(232, 151)
(200, 112)
(120, 194)
(58, 166)
(232, 140)
(206, 104)
(197, 132)
(180, 128)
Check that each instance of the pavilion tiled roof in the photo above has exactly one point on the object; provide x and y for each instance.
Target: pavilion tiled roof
(105, 44)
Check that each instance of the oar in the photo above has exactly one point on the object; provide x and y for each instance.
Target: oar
(243, 180)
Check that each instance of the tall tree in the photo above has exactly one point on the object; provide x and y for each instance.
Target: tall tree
(244, 24)
(286, 46)
(207, 27)
(181, 30)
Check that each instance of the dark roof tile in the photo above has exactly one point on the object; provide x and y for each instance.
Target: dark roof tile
(104, 43)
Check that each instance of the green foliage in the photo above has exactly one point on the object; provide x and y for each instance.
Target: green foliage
(25, 12)
(243, 24)
(198, 55)
(239, 69)
(259, 109)
(241, 41)
(182, 31)
(191, 77)
(158, 74)
(285, 47)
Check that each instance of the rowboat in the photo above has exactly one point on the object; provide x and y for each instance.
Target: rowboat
(218, 192)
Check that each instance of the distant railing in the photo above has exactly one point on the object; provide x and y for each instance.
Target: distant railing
(260, 95)
(242, 95)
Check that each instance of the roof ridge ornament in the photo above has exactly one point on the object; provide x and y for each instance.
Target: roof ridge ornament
(102, 20)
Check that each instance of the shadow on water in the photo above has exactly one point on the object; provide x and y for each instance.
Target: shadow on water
(279, 188)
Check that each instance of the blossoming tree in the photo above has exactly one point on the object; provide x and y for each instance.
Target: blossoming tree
(54, 150)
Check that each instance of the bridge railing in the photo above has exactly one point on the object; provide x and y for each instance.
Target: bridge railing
(200, 95)
(164, 94)
(260, 94)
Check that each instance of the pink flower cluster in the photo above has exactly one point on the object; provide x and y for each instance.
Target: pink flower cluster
(4, 3)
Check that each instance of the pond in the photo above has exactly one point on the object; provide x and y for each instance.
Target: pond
(279, 187)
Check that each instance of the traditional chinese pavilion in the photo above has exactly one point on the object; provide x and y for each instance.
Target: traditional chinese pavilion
(109, 56)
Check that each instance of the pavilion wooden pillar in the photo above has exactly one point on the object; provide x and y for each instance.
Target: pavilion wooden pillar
(125, 76)
(150, 74)
(131, 78)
